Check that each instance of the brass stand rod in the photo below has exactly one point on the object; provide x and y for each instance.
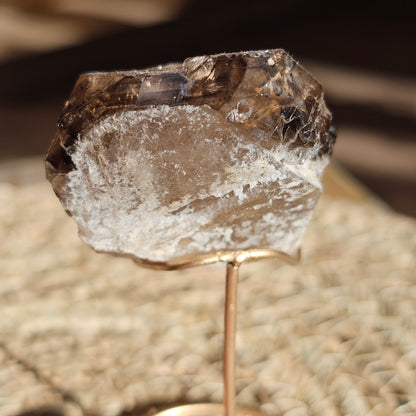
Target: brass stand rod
(233, 258)
(230, 318)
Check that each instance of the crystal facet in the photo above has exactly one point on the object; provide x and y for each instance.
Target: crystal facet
(220, 152)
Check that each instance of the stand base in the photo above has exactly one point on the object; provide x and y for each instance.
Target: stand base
(204, 409)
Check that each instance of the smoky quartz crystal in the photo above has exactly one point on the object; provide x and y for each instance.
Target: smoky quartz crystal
(220, 152)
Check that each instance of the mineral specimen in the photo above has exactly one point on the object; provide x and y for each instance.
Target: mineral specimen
(220, 152)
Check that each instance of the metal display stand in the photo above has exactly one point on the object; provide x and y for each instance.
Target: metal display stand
(233, 259)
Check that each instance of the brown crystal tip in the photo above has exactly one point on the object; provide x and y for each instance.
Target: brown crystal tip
(233, 137)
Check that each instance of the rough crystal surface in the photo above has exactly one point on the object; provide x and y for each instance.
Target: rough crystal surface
(220, 152)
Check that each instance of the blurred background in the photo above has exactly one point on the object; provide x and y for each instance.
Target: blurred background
(362, 52)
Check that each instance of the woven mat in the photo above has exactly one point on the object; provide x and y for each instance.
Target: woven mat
(83, 333)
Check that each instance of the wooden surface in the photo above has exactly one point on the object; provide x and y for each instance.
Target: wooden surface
(88, 334)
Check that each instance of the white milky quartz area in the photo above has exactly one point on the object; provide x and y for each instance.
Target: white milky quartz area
(170, 181)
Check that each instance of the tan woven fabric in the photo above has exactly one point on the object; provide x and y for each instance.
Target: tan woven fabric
(83, 333)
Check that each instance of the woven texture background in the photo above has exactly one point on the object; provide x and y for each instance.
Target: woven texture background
(85, 333)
